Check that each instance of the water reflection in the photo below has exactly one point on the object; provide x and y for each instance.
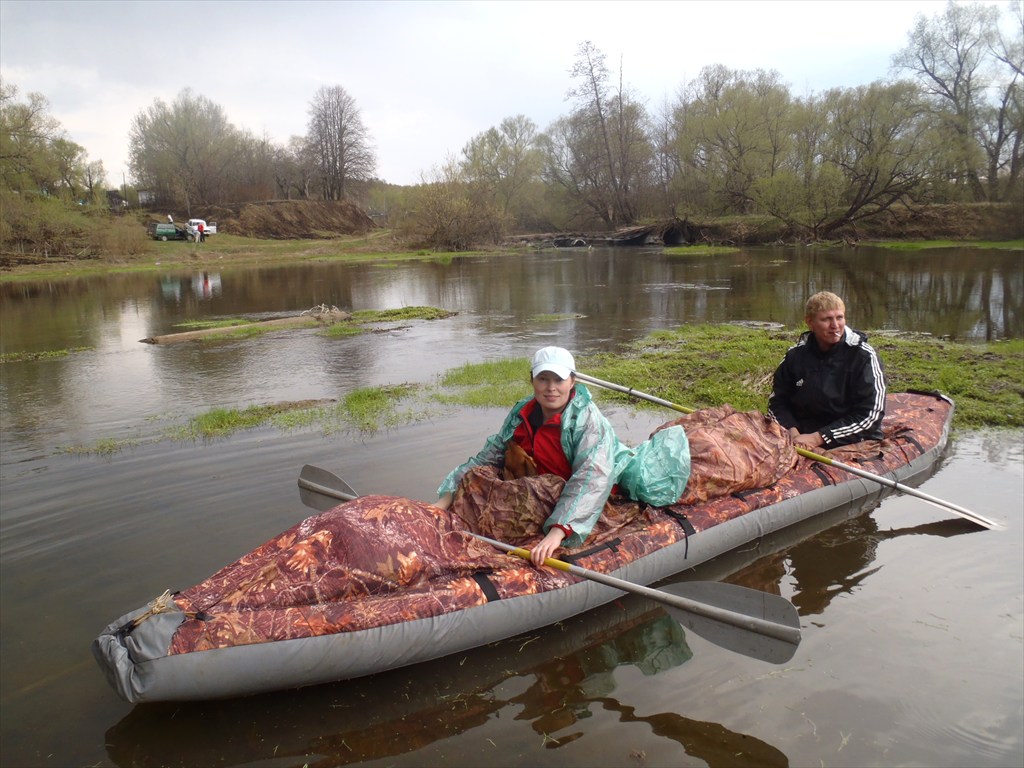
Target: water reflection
(835, 562)
(202, 286)
(558, 673)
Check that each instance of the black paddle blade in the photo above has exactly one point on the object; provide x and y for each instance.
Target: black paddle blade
(748, 602)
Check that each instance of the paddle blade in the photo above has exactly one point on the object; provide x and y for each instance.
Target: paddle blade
(323, 490)
(744, 601)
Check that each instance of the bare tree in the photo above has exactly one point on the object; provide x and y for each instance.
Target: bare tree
(951, 55)
(339, 142)
(608, 136)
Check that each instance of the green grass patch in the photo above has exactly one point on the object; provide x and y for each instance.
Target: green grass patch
(340, 330)
(21, 357)
(373, 408)
(249, 331)
(556, 318)
(923, 245)
(364, 317)
(484, 385)
(700, 250)
(220, 422)
(198, 325)
(404, 313)
(701, 366)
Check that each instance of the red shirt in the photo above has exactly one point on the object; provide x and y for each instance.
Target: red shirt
(543, 443)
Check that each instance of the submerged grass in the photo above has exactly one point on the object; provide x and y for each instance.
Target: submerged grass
(21, 357)
(372, 408)
(106, 447)
(365, 410)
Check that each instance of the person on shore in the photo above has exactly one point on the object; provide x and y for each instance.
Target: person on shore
(829, 389)
(562, 432)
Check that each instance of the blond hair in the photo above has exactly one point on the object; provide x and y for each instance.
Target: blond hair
(822, 301)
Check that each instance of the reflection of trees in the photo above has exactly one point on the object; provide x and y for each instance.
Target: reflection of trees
(960, 293)
(835, 561)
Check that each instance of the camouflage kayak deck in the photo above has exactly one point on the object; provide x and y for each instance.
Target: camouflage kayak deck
(379, 566)
(379, 560)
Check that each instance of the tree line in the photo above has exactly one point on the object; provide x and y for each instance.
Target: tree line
(948, 127)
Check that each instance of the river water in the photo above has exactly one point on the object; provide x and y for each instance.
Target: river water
(913, 623)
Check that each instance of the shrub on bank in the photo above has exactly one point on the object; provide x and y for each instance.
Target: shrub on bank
(34, 228)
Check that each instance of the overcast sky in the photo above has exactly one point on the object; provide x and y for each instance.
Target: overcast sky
(426, 76)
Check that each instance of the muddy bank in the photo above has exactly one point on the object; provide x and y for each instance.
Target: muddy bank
(997, 222)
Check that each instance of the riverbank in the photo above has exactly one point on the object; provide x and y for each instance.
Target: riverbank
(48, 241)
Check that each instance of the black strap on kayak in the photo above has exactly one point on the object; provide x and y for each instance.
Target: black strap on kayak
(912, 440)
(486, 586)
(822, 474)
(685, 524)
(742, 495)
(612, 544)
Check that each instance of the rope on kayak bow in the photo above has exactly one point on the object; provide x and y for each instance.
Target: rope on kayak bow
(162, 604)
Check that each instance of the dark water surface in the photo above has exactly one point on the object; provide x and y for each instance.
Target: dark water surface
(913, 623)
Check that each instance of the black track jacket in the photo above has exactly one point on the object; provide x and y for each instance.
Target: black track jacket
(840, 393)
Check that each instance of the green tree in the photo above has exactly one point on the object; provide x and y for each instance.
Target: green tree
(858, 152)
(184, 151)
(503, 165)
(731, 131)
(36, 154)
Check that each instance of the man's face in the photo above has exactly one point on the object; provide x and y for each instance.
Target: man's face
(828, 327)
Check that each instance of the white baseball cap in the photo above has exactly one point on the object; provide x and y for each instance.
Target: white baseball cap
(554, 359)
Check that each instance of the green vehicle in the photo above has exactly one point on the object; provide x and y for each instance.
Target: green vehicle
(164, 232)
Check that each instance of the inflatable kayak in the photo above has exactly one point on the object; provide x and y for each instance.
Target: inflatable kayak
(382, 582)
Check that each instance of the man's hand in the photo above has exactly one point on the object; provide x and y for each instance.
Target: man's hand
(810, 440)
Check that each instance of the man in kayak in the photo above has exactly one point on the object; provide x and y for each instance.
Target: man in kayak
(829, 389)
(562, 432)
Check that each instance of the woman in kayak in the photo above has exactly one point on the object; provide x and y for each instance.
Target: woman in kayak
(560, 431)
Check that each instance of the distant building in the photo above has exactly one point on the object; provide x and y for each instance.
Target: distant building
(146, 197)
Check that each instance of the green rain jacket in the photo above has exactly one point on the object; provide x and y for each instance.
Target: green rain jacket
(655, 472)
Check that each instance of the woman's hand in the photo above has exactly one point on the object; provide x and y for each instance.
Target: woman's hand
(547, 546)
(444, 502)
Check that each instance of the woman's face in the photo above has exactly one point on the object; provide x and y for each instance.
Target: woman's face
(551, 392)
